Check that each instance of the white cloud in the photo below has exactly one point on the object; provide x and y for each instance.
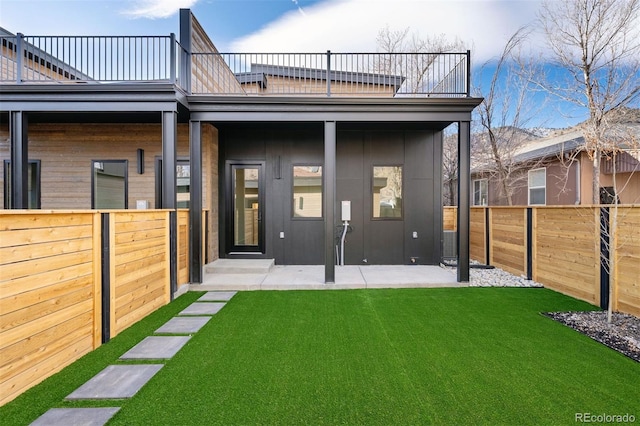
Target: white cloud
(352, 25)
(153, 9)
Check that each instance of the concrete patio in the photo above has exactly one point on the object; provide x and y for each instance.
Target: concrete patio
(262, 274)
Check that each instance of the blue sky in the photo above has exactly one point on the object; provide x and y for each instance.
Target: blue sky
(288, 25)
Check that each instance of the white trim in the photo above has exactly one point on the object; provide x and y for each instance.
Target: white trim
(486, 190)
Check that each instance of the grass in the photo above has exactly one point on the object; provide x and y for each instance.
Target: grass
(414, 356)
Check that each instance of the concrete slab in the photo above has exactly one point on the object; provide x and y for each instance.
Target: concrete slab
(378, 276)
(116, 382)
(76, 416)
(311, 277)
(183, 325)
(156, 347)
(239, 266)
(202, 308)
(217, 296)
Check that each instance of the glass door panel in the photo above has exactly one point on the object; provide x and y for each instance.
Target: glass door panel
(247, 208)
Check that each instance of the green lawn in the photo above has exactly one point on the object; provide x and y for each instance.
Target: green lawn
(388, 357)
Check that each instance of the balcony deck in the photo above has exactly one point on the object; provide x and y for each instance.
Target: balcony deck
(105, 60)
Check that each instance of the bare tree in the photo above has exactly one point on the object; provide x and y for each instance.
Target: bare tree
(597, 43)
(412, 56)
(507, 108)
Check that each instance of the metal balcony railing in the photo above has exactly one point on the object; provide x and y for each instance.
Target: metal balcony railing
(108, 59)
(332, 74)
(90, 59)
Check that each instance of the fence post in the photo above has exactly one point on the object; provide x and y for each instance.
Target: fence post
(487, 246)
(605, 267)
(529, 243)
(328, 73)
(106, 276)
(173, 253)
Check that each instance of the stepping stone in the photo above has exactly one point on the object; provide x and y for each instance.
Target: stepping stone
(183, 325)
(205, 308)
(76, 416)
(156, 347)
(116, 382)
(217, 296)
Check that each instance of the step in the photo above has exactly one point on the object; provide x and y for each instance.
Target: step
(239, 266)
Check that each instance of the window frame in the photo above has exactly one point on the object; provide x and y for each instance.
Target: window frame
(371, 192)
(37, 184)
(529, 187)
(126, 182)
(473, 192)
(293, 186)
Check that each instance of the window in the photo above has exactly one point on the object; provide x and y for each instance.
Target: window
(183, 183)
(538, 186)
(307, 191)
(183, 174)
(387, 192)
(33, 184)
(480, 192)
(109, 184)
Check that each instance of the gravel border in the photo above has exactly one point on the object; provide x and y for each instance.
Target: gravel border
(622, 335)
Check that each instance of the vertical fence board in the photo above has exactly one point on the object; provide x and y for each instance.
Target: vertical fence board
(477, 235)
(507, 239)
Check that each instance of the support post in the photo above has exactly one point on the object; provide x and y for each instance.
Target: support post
(19, 160)
(172, 59)
(195, 202)
(464, 198)
(329, 177)
(169, 201)
(169, 142)
(185, 56)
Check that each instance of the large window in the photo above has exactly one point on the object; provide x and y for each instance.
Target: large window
(109, 184)
(307, 191)
(480, 192)
(33, 184)
(538, 186)
(387, 192)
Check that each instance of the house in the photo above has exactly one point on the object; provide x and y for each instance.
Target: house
(557, 170)
(266, 145)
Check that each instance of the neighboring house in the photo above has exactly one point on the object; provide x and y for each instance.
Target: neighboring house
(267, 145)
(558, 171)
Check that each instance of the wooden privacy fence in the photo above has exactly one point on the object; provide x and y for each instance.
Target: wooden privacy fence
(564, 248)
(70, 281)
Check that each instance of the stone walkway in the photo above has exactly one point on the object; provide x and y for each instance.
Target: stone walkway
(124, 381)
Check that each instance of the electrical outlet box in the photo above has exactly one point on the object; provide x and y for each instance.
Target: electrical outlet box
(346, 210)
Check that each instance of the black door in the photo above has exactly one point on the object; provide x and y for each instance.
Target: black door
(245, 207)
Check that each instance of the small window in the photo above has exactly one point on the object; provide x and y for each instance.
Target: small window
(387, 192)
(307, 191)
(480, 192)
(538, 186)
(33, 184)
(183, 175)
(109, 184)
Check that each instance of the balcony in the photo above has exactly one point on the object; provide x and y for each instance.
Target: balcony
(161, 59)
